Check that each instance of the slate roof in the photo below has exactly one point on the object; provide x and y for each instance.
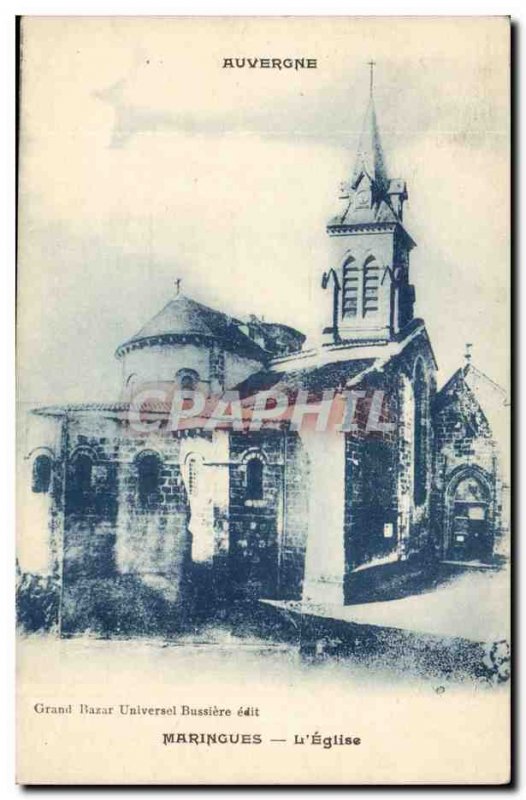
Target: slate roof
(310, 379)
(331, 368)
(183, 317)
(370, 168)
(491, 399)
(483, 388)
(313, 371)
(380, 213)
(370, 158)
(113, 410)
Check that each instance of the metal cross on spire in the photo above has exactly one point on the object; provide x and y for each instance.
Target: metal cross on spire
(177, 286)
(372, 65)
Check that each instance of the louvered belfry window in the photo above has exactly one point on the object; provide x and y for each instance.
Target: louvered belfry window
(371, 282)
(351, 288)
(360, 296)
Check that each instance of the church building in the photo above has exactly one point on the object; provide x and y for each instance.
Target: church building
(170, 519)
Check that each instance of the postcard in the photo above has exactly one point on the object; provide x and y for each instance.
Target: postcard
(263, 372)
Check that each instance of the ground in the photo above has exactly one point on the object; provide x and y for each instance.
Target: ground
(453, 631)
(471, 605)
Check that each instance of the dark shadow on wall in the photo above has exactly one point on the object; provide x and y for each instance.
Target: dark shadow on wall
(118, 606)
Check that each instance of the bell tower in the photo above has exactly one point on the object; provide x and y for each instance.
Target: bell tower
(369, 270)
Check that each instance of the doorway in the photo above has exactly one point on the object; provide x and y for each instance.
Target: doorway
(469, 536)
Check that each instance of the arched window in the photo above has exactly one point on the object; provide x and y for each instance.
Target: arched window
(148, 478)
(471, 490)
(371, 283)
(351, 287)
(41, 474)
(80, 483)
(131, 381)
(420, 434)
(187, 379)
(83, 472)
(254, 479)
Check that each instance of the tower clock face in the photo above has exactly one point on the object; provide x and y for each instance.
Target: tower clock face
(362, 199)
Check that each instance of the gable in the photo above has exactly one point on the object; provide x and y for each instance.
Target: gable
(458, 410)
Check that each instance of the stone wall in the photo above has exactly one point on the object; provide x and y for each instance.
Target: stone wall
(464, 446)
(326, 508)
(120, 546)
(375, 462)
(296, 503)
(160, 363)
(385, 520)
(218, 369)
(255, 525)
(39, 522)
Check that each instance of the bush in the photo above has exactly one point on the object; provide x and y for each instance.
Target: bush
(37, 602)
(121, 605)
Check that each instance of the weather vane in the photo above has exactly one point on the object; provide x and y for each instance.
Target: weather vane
(177, 286)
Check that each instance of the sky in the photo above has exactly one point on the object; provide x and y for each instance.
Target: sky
(143, 160)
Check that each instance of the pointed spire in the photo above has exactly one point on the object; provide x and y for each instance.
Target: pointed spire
(369, 194)
(372, 65)
(370, 157)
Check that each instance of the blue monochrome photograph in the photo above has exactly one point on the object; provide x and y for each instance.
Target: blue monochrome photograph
(263, 401)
